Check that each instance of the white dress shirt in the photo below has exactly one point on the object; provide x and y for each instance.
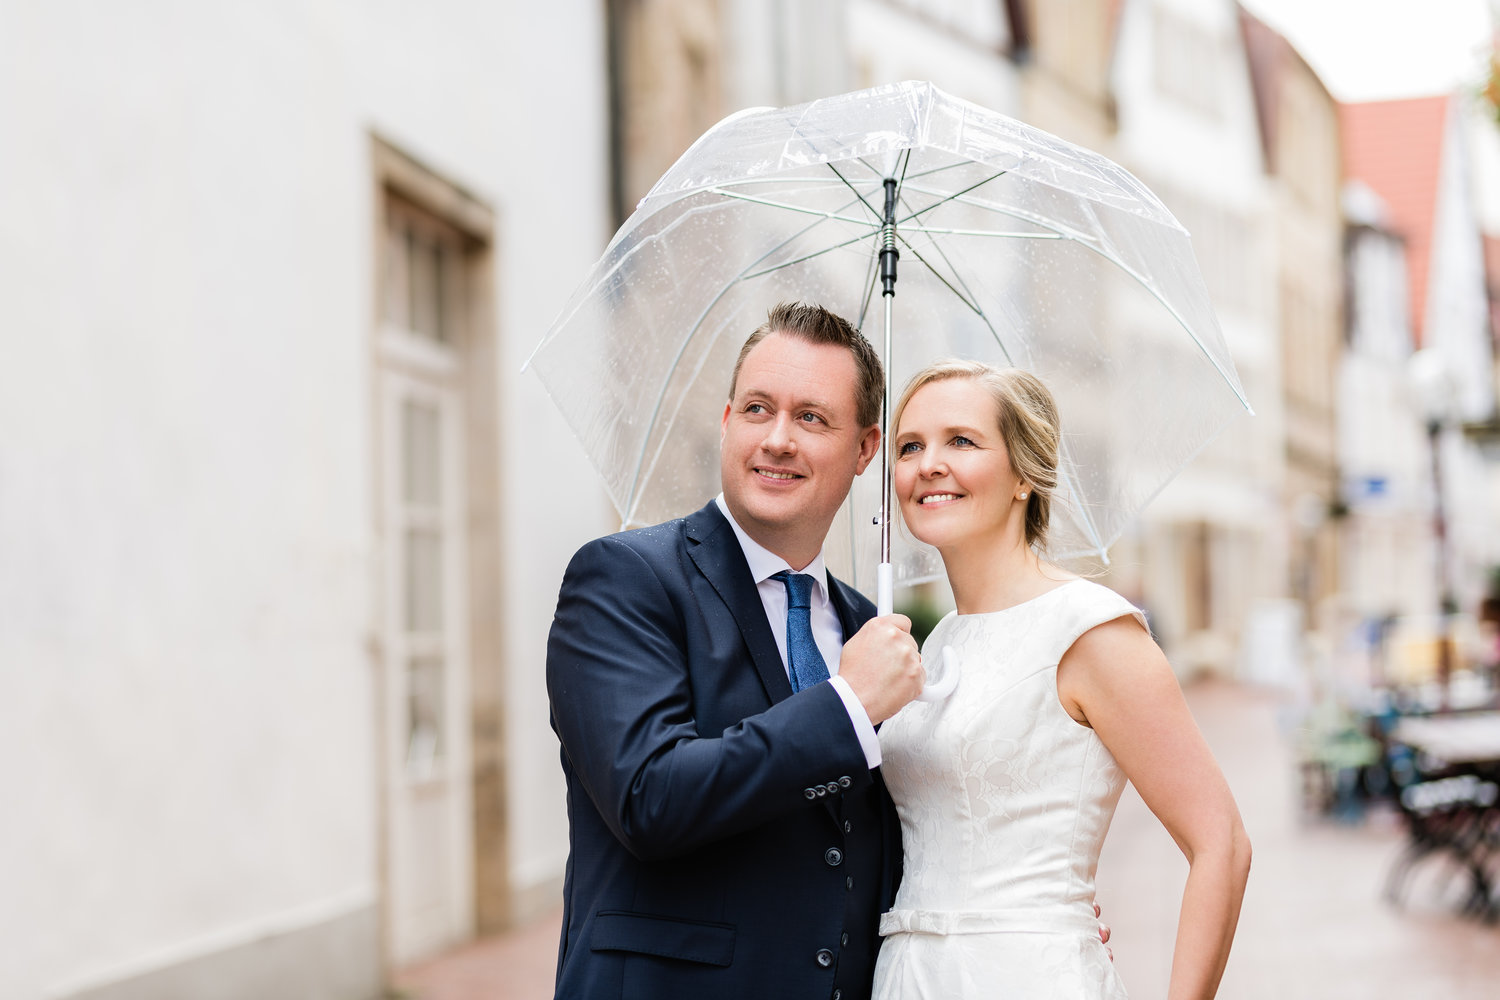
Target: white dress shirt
(826, 630)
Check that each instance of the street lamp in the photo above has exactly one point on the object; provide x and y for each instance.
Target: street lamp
(1436, 391)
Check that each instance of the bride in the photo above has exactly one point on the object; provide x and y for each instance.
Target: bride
(1006, 788)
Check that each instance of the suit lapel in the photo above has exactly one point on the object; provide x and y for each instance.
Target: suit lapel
(716, 552)
(849, 620)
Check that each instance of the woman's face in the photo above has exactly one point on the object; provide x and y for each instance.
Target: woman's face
(953, 478)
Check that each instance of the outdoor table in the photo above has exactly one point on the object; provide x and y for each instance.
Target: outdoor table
(1472, 738)
(1452, 808)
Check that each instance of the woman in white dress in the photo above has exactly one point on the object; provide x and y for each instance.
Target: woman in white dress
(1006, 788)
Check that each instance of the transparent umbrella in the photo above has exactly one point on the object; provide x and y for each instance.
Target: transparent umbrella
(1015, 248)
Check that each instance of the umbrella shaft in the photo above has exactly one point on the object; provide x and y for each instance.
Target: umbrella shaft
(885, 447)
(888, 257)
(888, 252)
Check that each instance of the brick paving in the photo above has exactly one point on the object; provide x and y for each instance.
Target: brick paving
(1314, 924)
(516, 966)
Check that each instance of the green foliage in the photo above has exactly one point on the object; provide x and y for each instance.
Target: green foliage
(924, 616)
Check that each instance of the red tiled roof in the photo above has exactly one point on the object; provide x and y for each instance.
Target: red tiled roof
(1396, 148)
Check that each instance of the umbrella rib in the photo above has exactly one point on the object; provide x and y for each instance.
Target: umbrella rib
(957, 196)
(827, 215)
(873, 261)
(962, 296)
(874, 212)
(788, 207)
(965, 296)
(955, 165)
(1192, 335)
(799, 260)
(1090, 528)
(1014, 213)
(972, 300)
(1093, 245)
(931, 231)
(661, 396)
(1084, 240)
(871, 279)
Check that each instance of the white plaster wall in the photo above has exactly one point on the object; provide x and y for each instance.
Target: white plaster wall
(509, 100)
(553, 181)
(188, 748)
(182, 444)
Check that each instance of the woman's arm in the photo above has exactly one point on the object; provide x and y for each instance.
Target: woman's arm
(1115, 680)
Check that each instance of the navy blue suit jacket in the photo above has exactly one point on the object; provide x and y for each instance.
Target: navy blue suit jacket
(727, 838)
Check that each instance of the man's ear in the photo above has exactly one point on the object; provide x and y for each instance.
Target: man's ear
(724, 421)
(868, 446)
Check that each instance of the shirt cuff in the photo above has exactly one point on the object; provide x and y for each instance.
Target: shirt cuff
(869, 742)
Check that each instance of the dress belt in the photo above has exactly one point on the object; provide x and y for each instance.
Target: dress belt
(1020, 921)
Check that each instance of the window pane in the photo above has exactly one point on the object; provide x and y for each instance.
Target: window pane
(397, 277)
(421, 454)
(424, 580)
(440, 294)
(426, 288)
(424, 712)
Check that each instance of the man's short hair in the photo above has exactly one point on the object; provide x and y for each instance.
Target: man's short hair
(817, 325)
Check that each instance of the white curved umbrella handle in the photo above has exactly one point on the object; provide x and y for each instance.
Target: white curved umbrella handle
(941, 682)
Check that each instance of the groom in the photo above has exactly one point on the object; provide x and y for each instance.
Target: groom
(729, 832)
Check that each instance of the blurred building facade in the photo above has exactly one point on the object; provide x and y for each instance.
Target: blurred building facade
(283, 521)
(1298, 121)
(1383, 461)
(1213, 547)
(1410, 170)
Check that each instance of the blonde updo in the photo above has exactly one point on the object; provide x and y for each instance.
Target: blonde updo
(1027, 417)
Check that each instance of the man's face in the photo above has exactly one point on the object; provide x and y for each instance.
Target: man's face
(791, 444)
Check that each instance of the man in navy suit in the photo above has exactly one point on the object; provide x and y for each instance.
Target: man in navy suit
(729, 837)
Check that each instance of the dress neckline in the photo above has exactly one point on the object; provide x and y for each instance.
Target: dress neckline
(1014, 607)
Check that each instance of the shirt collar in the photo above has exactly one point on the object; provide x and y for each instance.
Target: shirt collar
(763, 562)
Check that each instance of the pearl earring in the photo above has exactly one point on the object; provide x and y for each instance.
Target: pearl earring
(1024, 495)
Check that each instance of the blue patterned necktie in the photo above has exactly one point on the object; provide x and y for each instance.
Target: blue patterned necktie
(807, 666)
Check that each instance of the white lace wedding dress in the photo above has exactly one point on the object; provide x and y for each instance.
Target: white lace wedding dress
(1004, 802)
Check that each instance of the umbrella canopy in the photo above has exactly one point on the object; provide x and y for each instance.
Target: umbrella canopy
(1016, 248)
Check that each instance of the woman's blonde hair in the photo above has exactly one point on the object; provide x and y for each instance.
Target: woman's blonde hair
(1027, 417)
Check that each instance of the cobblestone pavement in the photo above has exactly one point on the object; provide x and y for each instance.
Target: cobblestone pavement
(1314, 924)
